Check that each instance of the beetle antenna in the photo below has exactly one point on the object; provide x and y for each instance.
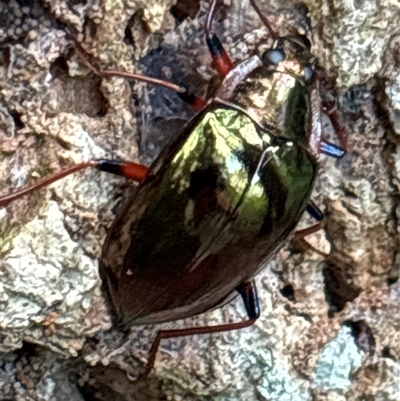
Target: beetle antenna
(264, 19)
(210, 17)
(95, 67)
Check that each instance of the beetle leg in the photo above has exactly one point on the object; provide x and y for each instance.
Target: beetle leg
(332, 150)
(340, 133)
(329, 105)
(248, 292)
(265, 20)
(196, 102)
(220, 59)
(298, 237)
(314, 211)
(300, 242)
(133, 171)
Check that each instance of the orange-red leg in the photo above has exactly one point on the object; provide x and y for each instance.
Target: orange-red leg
(132, 171)
(248, 293)
(220, 59)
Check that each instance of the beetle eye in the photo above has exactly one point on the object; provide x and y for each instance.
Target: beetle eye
(273, 57)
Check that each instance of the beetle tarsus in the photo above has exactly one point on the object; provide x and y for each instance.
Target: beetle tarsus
(5, 200)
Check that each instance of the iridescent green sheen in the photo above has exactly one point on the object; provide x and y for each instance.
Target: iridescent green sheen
(221, 198)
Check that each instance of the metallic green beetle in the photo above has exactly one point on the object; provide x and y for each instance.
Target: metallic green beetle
(221, 198)
(224, 195)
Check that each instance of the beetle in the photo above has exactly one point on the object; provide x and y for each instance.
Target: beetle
(223, 196)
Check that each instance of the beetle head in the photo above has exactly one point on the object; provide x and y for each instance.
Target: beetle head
(291, 54)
